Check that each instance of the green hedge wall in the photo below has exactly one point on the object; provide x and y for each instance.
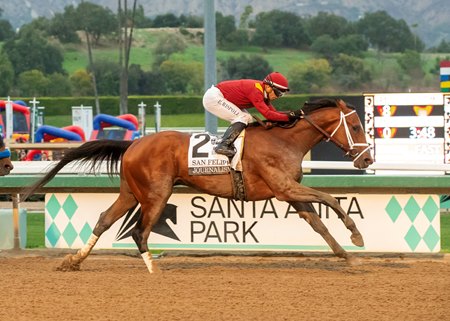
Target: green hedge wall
(171, 105)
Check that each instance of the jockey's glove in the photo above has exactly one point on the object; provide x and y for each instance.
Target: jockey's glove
(293, 115)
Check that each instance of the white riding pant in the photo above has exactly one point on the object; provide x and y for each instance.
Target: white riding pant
(216, 104)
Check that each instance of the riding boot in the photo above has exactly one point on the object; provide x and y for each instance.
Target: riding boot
(225, 145)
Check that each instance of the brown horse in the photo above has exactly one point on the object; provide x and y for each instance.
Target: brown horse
(5, 159)
(152, 165)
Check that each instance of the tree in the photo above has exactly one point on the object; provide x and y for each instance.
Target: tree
(327, 24)
(7, 74)
(350, 72)
(278, 28)
(30, 50)
(243, 22)
(253, 67)
(64, 27)
(225, 25)
(108, 77)
(166, 20)
(309, 77)
(387, 34)
(82, 84)
(58, 85)
(166, 46)
(32, 83)
(181, 77)
(411, 64)
(6, 30)
(96, 20)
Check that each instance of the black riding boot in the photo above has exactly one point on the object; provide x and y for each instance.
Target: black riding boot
(225, 145)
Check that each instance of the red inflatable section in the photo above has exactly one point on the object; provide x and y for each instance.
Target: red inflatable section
(129, 117)
(36, 152)
(74, 129)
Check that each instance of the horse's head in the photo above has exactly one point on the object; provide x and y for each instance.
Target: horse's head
(344, 128)
(350, 135)
(5, 159)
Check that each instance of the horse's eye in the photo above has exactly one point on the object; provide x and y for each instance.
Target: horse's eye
(356, 128)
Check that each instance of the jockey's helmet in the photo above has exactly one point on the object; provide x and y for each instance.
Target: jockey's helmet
(278, 82)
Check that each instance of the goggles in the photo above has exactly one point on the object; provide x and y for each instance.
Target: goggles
(278, 92)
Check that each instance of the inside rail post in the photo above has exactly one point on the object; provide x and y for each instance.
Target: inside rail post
(15, 204)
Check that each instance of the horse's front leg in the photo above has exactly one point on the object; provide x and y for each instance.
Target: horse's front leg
(309, 214)
(293, 191)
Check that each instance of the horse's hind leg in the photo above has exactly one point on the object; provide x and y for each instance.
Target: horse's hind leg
(309, 214)
(124, 202)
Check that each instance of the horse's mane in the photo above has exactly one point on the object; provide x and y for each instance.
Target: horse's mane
(307, 108)
(2, 143)
(311, 106)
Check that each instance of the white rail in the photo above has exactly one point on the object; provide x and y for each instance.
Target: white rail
(36, 167)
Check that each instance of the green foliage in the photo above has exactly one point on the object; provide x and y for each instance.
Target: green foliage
(181, 77)
(349, 72)
(107, 74)
(95, 19)
(166, 20)
(7, 74)
(387, 34)
(32, 83)
(227, 36)
(244, 20)
(81, 83)
(253, 67)
(443, 47)
(311, 76)
(166, 46)
(63, 26)
(58, 85)
(32, 51)
(325, 23)
(278, 28)
(6, 30)
(352, 45)
(35, 230)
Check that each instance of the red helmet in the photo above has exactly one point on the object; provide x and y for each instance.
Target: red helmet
(277, 80)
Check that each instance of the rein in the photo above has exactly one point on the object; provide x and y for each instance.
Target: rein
(352, 152)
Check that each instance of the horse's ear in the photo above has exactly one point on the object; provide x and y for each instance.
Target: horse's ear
(340, 103)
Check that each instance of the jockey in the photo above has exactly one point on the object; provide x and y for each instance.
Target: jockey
(229, 99)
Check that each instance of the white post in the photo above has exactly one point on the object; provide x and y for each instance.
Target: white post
(157, 117)
(34, 116)
(9, 120)
(40, 116)
(82, 116)
(142, 118)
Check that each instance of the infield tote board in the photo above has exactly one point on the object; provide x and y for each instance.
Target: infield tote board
(388, 223)
(408, 128)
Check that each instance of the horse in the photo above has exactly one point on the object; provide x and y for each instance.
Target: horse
(152, 165)
(6, 165)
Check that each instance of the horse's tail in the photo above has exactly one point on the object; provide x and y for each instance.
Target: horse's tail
(96, 151)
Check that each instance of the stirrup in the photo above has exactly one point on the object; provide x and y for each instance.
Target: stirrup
(228, 151)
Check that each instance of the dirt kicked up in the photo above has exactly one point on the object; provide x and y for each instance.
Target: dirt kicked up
(119, 287)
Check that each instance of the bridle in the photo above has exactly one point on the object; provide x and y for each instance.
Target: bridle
(352, 152)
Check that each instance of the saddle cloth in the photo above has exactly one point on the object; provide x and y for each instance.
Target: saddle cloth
(203, 160)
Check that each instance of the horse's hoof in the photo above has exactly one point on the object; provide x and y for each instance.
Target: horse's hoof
(69, 264)
(155, 268)
(353, 260)
(357, 239)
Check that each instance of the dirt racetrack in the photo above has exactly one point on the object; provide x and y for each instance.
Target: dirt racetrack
(313, 287)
